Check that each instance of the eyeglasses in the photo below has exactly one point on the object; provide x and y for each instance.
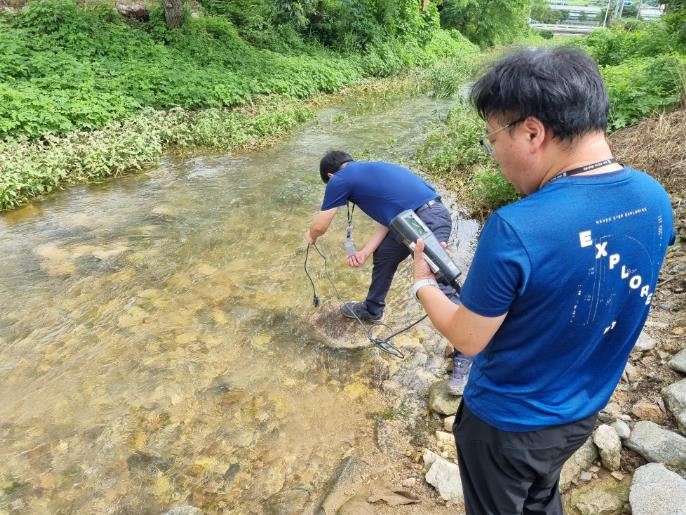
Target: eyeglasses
(486, 145)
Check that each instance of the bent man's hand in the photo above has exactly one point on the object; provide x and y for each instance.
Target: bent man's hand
(421, 267)
(358, 259)
(309, 239)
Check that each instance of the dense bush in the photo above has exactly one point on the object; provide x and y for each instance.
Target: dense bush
(643, 73)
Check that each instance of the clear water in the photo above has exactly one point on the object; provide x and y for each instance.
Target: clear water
(152, 345)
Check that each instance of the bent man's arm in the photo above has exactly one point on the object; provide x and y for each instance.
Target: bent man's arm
(467, 331)
(320, 224)
(361, 256)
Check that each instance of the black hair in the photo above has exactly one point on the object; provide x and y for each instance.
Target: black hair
(561, 87)
(332, 162)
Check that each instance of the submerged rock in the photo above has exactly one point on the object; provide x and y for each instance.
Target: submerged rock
(286, 502)
(350, 469)
(331, 328)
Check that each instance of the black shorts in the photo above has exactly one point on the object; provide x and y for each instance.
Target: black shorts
(508, 473)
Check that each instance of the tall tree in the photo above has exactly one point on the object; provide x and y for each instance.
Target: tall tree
(486, 22)
(173, 13)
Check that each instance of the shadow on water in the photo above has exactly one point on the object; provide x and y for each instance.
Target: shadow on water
(153, 349)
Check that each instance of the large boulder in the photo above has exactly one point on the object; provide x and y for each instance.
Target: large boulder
(657, 490)
(657, 444)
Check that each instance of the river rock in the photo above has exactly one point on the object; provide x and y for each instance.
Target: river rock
(580, 460)
(356, 505)
(675, 399)
(444, 477)
(645, 342)
(610, 446)
(657, 444)
(448, 423)
(184, 510)
(657, 490)
(441, 401)
(622, 428)
(631, 373)
(286, 502)
(330, 327)
(645, 410)
(446, 443)
(602, 497)
(350, 469)
(678, 362)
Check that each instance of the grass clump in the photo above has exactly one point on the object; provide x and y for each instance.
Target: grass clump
(33, 167)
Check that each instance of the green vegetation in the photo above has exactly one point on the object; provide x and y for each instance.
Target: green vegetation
(644, 73)
(65, 68)
(85, 95)
(486, 23)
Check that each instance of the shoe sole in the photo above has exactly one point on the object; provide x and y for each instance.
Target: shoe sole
(372, 322)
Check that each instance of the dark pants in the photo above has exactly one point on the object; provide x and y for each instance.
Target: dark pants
(507, 473)
(392, 252)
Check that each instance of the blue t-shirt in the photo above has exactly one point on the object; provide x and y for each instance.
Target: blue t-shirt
(381, 190)
(574, 266)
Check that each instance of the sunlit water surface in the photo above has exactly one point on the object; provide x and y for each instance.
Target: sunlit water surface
(153, 349)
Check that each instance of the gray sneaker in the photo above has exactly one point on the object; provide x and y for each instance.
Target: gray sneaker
(359, 310)
(461, 367)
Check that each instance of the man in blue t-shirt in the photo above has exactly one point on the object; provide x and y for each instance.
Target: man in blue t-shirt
(560, 285)
(382, 191)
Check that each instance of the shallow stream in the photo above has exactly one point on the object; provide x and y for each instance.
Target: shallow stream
(153, 349)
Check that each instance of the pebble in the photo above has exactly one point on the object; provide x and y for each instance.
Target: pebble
(448, 423)
(678, 362)
(410, 482)
(617, 475)
(585, 476)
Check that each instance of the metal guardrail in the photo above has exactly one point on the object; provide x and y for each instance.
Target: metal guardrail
(565, 29)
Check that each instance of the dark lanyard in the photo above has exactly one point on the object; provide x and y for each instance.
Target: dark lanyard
(586, 168)
(350, 213)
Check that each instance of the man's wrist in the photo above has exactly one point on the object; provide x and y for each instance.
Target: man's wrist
(420, 284)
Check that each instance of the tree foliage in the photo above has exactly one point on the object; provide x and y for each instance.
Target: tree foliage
(486, 22)
(675, 18)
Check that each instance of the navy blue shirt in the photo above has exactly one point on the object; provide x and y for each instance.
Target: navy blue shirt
(381, 190)
(574, 266)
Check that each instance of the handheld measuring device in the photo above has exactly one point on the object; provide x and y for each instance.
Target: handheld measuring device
(410, 228)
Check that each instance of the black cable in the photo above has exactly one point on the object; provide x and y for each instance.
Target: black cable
(383, 344)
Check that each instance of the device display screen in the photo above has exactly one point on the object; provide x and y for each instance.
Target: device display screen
(416, 225)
